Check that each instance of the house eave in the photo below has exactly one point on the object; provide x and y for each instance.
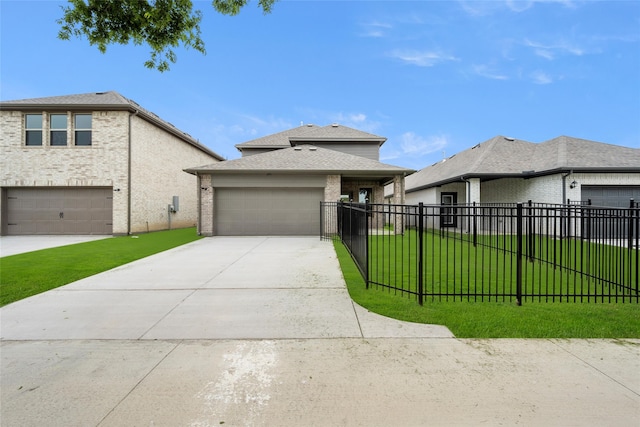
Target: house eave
(525, 175)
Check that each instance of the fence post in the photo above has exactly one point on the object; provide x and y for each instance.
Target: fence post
(366, 242)
(531, 234)
(630, 233)
(420, 252)
(519, 254)
(475, 225)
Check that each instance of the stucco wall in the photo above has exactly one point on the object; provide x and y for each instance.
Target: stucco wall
(158, 160)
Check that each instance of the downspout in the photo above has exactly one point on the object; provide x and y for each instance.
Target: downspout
(468, 190)
(129, 176)
(199, 213)
(564, 187)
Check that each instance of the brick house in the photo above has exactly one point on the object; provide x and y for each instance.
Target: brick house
(95, 163)
(277, 185)
(508, 170)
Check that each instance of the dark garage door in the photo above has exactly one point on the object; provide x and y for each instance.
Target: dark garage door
(611, 195)
(267, 211)
(609, 223)
(59, 211)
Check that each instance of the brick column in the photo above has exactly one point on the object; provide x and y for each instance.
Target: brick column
(332, 192)
(398, 199)
(205, 212)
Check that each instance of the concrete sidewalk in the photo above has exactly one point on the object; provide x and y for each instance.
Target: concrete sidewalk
(261, 332)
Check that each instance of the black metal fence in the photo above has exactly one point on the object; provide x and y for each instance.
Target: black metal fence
(493, 252)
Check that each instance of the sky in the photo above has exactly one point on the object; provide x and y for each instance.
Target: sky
(433, 77)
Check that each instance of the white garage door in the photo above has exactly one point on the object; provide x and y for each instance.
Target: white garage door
(59, 211)
(267, 211)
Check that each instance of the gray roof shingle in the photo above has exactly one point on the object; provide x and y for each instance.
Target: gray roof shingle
(501, 156)
(311, 133)
(304, 159)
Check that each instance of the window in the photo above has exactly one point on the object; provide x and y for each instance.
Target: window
(83, 129)
(58, 130)
(365, 195)
(33, 129)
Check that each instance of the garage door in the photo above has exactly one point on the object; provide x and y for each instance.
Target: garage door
(608, 223)
(267, 211)
(59, 211)
(613, 196)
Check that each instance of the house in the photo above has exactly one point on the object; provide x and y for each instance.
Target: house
(277, 185)
(95, 163)
(508, 170)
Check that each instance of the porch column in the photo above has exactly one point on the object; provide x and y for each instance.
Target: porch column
(398, 199)
(474, 190)
(205, 211)
(332, 192)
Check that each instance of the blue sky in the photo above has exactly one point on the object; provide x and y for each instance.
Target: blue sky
(434, 77)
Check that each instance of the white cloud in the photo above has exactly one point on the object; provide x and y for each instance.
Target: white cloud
(487, 72)
(412, 144)
(541, 78)
(549, 51)
(484, 8)
(421, 58)
(375, 29)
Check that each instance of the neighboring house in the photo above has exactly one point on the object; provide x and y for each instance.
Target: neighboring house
(507, 170)
(278, 184)
(95, 163)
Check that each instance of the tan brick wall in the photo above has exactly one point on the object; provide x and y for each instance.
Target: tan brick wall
(103, 164)
(158, 160)
(207, 195)
(332, 189)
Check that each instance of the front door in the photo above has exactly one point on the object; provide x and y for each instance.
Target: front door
(448, 216)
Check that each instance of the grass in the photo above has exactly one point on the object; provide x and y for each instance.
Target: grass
(497, 319)
(454, 264)
(31, 273)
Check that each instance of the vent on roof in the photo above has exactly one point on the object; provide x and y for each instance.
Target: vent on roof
(334, 125)
(312, 148)
(100, 93)
(297, 148)
(475, 146)
(309, 125)
(508, 138)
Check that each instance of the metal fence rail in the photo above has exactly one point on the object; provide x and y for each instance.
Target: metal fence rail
(493, 252)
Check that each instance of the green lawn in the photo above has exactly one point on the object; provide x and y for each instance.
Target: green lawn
(453, 265)
(31, 273)
(497, 319)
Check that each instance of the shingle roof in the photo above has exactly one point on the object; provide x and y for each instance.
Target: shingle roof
(277, 140)
(307, 159)
(311, 133)
(501, 156)
(102, 101)
(338, 133)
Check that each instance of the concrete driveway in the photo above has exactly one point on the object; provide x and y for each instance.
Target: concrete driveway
(261, 331)
(13, 245)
